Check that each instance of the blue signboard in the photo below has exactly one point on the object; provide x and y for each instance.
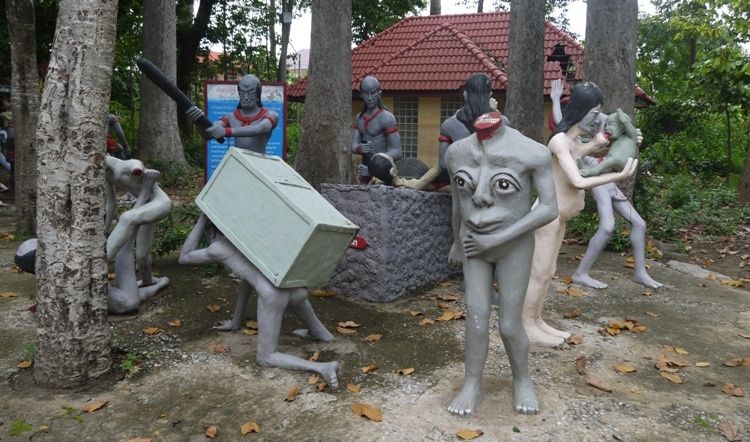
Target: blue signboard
(221, 98)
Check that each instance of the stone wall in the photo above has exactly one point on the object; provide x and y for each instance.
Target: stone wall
(408, 234)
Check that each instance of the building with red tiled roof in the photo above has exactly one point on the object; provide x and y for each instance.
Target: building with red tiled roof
(423, 62)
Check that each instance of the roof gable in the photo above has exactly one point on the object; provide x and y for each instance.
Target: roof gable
(437, 53)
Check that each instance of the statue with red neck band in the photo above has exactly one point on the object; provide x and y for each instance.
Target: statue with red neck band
(250, 124)
(493, 175)
(135, 225)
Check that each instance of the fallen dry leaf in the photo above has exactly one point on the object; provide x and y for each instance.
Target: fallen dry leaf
(405, 371)
(581, 365)
(322, 293)
(599, 384)
(452, 297)
(625, 369)
(218, 348)
(213, 308)
(175, 323)
(466, 434)
(152, 330)
(738, 362)
(612, 331)
(25, 364)
(373, 337)
(292, 394)
(249, 427)
(321, 386)
(575, 339)
(415, 312)
(369, 368)
(135, 439)
(346, 331)
(733, 390)
(247, 331)
(446, 284)
(425, 321)
(370, 412)
(574, 314)
(211, 431)
(8, 295)
(567, 280)
(313, 379)
(93, 406)
(672, 377)
(711, 276)
(730, 431)
(733, 282)
(349, 324)
(639, 329)
(647, 293)
(574, 292)
(665, 363)
(353, 388)
(652, 314)
(253, 325)
(702, 364)
(447, 315)
(314, 357)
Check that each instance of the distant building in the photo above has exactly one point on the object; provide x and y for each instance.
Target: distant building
(296, 64)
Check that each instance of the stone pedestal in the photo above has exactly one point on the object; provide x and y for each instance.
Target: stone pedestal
(408, 234)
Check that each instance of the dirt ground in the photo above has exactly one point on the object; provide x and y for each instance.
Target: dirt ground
(191, 378)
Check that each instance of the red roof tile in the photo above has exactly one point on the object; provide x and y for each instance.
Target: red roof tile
(437, 53)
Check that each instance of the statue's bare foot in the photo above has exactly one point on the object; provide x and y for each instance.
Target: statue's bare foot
(645, 279)
(468, 400)
(157, 283)
(587, 281)
(537, 336)
(546, 328)
(228, 325)
(524, 398)
(322, 335)
(329, 373)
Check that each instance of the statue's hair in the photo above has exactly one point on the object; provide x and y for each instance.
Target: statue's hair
(583, 98)
(478, 89)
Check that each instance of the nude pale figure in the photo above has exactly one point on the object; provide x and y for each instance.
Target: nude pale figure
(581, 118)
(272, 301)
(492, 180)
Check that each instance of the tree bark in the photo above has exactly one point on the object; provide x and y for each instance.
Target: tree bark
(324, 154)
(524, 105)
(25, 108)
(611, 42)
(287, 6)
(73, 346)
(158, 132)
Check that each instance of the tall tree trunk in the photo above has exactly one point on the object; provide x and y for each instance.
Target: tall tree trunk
(434, 7)
(611, 40)
(324, 154)
(158, 133)
(187, 56)
(25, 108)
(73, 346)
(480, 6)
(524, 104)
(286, 27)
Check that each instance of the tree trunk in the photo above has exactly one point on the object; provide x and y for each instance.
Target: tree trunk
(25, 108)
(743, 191)
(434, 7)
(73, 346)
(187, 55)
(158, 133)
(611, 41)
(287, 6)
(480, 6)
(324, 154)
(524, 104)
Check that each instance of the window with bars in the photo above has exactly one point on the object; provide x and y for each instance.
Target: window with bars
(449, 107)
(406, 111)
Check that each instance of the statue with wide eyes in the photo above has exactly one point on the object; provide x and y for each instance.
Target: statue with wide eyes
(493, 174)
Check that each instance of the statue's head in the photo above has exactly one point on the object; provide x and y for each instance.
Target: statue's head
(369, 90)
(583, 108)
(249, 89)
(477, 94)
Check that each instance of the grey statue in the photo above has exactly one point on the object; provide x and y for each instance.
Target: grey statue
(623, 145)
(250, 124)
(138, 223)
(272, 302)
(493, 174)
(375, 132)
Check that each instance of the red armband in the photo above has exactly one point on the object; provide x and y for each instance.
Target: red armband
(392, 130)
(227, 131)
(444, 139)
(357, 150)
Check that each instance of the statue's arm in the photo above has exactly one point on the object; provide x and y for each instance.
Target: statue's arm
(555, 95)
(457, 250)
(190, 253)
(570, 168)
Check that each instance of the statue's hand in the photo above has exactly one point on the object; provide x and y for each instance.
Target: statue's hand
(474, 246)
(216, 131)
(638, 137)
(363, 170)
(556, 90)
(365, 147)
(630, 168)
(455, 256)
(194, 113)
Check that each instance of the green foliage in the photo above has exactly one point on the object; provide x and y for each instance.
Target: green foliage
(293, 131)
(130, 363)
(172, 231)
(69, 413)
(583, 227)
(29, 351)
(19, 426)
(369, 17)
(194, 150)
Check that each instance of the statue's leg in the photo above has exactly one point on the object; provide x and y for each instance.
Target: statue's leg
(300, 305)
(123, 296)
(243, 295)
(478, 275)
(513, 279)
(638, 240)
(548, 241)
(272, 302)
(143, 253)
(600, 239)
